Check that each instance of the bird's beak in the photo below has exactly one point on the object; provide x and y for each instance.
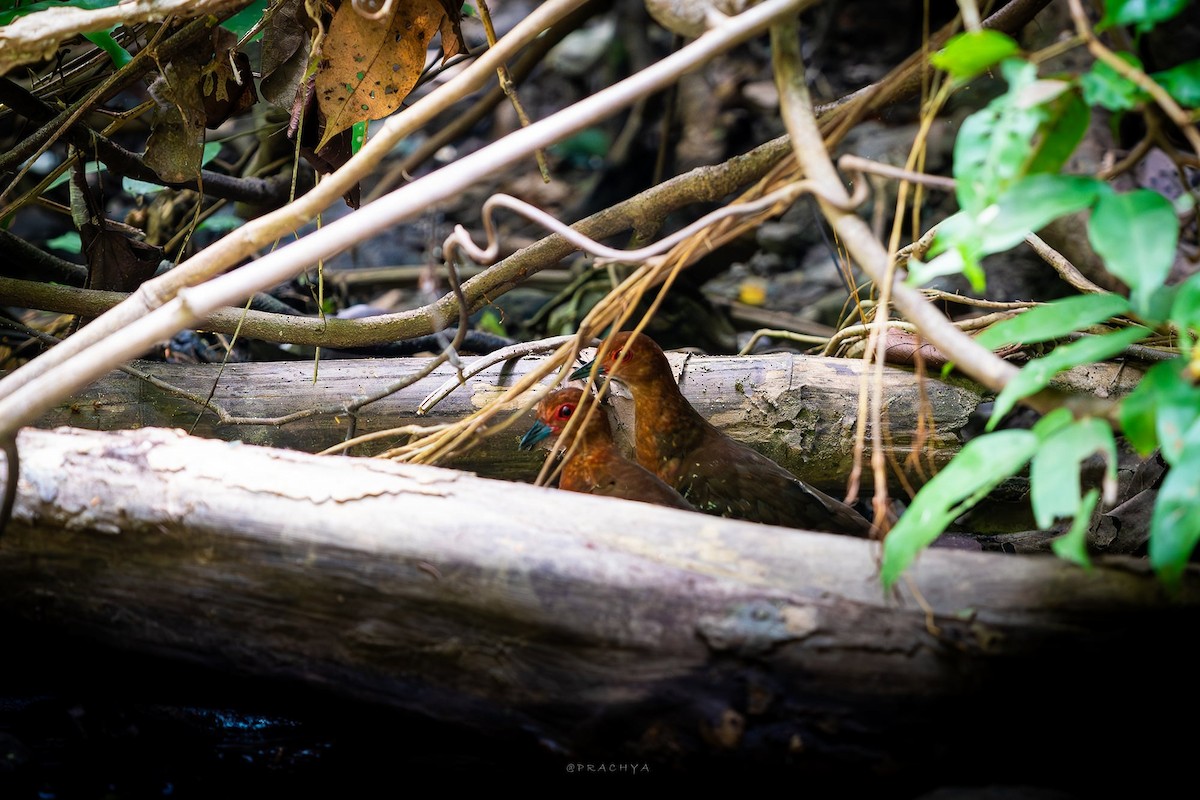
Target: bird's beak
(582, 373)
(535, 434)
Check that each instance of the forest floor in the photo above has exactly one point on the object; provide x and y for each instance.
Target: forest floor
(120, 727)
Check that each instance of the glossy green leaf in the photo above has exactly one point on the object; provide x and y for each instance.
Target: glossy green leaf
(968, 54)
(241, 22)
(947, 263)
(1037, 374)
(1182, 83)
(1164, 395)
(1136, 234)
(1175, 523)
(1032, 203)
(1055, 490)
(993, 145)
(972, 270)
(1159, 412)
(1053, 422)
(1142, 14)
(1067, 125)
(211, 151)
(1104, 86)
(957, 248)
(1185, 310)
(977, 469)
(1072, 545)
(1054, 320)
(358, 136)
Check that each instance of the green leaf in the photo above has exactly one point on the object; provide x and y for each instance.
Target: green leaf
(1163, 404)
(922, 272)
(490, 322)
(211, 150)
(1072, 545)
(1053, 422)
(241, 22)
(1182, 83)
(1161, 409)
(358, 137)
(977, 469)
(104, 40)
(1054, 320)
(1032, 203)
(993, 145)
(1185, 310)
(956, 248)
(1068, 123)
(1104, 86)
(968, 54)
(1037, 374)
(135, 187)
(1054, 472)
(1143, 14)
(1136, 234)
(69, 242)
(1175, 525)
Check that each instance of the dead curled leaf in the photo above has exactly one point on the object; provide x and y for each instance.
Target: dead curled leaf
(368, 67)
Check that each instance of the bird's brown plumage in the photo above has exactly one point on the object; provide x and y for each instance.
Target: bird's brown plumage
(592, 463)
(715, 473)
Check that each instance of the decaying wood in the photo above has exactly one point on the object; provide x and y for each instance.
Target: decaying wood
(601, 628)
(799, 410)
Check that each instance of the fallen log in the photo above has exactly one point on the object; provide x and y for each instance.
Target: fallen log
(601, 629)
(799, 410)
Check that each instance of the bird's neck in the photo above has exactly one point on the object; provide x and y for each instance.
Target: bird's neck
(660, 406)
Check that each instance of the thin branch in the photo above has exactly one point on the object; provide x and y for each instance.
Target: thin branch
(263, 231)
(264, 191)
(24, 403)
(1130, 72)
(1065, 269)
(33, 37)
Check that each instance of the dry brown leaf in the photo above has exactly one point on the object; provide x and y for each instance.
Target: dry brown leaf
(905, 348)
(175, 148)
(368, 67)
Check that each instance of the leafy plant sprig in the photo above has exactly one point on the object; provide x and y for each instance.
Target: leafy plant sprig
(1008, 159)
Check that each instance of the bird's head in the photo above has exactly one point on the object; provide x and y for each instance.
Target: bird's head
(554, 411)
(631, 358)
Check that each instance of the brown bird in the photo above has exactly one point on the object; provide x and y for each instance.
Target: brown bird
(593, 464)
(713, 472)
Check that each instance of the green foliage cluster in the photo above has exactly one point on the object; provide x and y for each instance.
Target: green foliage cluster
(1008, 159)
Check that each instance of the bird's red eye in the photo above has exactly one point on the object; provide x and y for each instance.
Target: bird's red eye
(565, 411)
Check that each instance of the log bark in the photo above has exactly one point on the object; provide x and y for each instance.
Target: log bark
(799, 410)
(599, 628)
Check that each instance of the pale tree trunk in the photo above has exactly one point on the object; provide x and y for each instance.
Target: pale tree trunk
(603, 628)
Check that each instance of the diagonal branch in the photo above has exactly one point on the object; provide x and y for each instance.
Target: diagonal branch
(90, 359)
